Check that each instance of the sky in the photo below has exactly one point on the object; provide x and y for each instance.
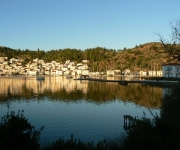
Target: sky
(82, 24)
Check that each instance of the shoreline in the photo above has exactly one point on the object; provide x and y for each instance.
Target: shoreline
(124, 82)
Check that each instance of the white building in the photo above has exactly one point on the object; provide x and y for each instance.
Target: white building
(67, 72)
(94, 74)
(85, 61)
(64, 69)
(1, 59)
(13, 60)
(143, 73)
(59, 73)
(127, 72)
(79, 64)
(53, 72)
(32, 72)
(47, 72)
(84, 72)
(171, 70)
(159, 73)
(41, 61)
(152, 73)
(73, 73)
(155, 73)
(35, 60)
(110, 72)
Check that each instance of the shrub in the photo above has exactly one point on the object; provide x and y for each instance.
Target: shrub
(75, 144)
(17, 133)
(161, 132)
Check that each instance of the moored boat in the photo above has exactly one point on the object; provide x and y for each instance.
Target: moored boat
(69, 76)
(40, 78)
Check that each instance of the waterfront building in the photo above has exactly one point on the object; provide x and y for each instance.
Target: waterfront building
(171, 70)
(110, 72)
(143, 73)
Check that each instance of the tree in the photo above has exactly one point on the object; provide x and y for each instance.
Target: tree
(17, 133)
(172, 46)
(161, 132)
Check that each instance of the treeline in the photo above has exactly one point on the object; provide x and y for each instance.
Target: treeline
(146, 56)
(61, 55)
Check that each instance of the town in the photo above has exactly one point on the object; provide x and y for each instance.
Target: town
(14, 66)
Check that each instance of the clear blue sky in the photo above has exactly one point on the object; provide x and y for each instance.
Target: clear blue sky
(82, 24)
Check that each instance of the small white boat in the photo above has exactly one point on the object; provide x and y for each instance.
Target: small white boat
(69, 77)
(40, 78)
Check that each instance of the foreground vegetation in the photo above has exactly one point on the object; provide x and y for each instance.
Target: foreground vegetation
(161, 132)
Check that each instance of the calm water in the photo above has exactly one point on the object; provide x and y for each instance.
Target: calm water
(88, 110)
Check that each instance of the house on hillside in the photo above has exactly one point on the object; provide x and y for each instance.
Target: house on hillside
(155, 73)
(85, 61)
(94, 73)
(35, 60)
(85, 72)
(13, 60)
(59, 72)
(159, 73)
(1, 59)
(152, 73)
(126, 72)
(110, 72)
(32, 73)
(171, 70)
(41, 62)
(143, 73)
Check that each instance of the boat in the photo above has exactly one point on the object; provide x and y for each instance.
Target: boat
(69, 77)
(40, 78)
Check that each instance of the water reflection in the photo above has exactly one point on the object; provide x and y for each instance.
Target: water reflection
(60, 88)
(89, 110)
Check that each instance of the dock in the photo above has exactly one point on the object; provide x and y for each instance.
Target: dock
(125, 82)
(128, 121)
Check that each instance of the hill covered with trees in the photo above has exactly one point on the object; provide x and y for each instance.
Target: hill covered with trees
(149, 56)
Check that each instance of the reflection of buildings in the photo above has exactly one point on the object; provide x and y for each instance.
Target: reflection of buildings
(142, 95)
(15, 85)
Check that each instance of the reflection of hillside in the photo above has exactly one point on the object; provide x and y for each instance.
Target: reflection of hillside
(143, 95)
(59, 88)
(147, 96)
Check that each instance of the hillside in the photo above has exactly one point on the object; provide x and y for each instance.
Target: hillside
(143, 57)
